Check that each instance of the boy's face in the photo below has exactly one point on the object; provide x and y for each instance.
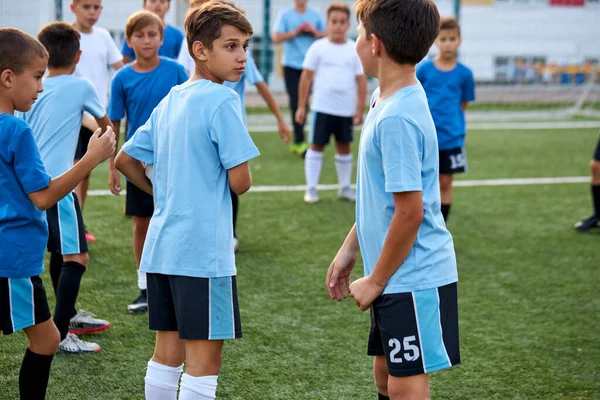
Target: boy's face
(448, 42)
(226, 60)
(364, 48)
(87, 12)
(145, 42)
(158, 7)
(25, 85)
(337, 25)
(300, 3)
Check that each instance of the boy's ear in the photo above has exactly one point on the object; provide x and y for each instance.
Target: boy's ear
(376, 45)
(73, 7)
(77, 58)
(200, 51)
(6, 78)
(128, 42)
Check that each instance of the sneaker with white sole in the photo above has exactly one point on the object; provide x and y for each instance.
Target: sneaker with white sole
(140, 304)
(347, 193)
(311, 195)
(84, 322)
(72, 344)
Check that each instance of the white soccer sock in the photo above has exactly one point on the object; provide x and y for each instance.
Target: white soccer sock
(343, 166)
(198, 387)
(162, 381)
(142, 284)
(312, 167)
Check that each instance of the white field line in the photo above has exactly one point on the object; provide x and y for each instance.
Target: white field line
(471, 183)
(480, 126)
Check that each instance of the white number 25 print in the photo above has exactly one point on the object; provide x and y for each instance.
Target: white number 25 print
(411, 351)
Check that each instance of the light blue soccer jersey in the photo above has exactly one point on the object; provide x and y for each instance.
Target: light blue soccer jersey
(398, 153)
(55, 119)
(295, 49)
(251, 75)
(192, 138)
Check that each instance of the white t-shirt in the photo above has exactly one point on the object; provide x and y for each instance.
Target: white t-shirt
(336, 67)
(186, 59)
(98, 52)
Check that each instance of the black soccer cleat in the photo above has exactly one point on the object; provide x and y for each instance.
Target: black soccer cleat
(139, 305)
(587, 224)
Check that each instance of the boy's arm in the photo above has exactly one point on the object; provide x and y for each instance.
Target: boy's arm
(114, 180)
(99, 149)
(338, 274)
(303, 88)
(400, 239)
(118, 65)
(133, 170)
(361, 83)
(280, 37)
(240, 178)
(284, 130)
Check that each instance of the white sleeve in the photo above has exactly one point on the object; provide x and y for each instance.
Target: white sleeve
(185, 59)
(114, 54)
(312, 58)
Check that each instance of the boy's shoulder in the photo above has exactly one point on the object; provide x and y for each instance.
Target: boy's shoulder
(463, 69)
(100, 31)
(409, 103)
(173, 30)
(12, 126)
(209, 94)
(169, 63)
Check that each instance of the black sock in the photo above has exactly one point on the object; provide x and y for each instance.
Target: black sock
(33, 378)
(235, 203)
(446, 211)
(596, 199)
(68, 289)
(56, 261)
(382, 397)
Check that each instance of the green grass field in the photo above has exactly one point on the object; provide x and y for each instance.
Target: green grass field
(528, 289)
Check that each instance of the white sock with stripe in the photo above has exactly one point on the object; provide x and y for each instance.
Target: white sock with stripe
(343, 167)
(198, 387)
(162, 381)
(142, 283)
(313, 162)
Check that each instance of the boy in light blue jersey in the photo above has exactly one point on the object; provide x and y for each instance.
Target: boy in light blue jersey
(136, 91)
(199, 148)
(56, 120)
(297, 28)
(410, 266)
(450, 87)
(172, 37)
(28, 190)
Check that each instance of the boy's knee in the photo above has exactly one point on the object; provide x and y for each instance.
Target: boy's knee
(140, 224)
(595, 170)
(46, 343)
(380, 372)
(445, 182)
(82, 258)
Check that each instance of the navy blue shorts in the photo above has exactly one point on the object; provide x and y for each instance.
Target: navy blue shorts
(137, 202)
(82, 143)
(453, 161)
(23, 303)
(325, 125)
(66, 233)
(197, 308)
(416, 332)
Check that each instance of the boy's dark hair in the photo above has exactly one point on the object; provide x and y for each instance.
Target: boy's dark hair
(407, 28)
(449, 23)
(17, 49)
(338, 7)
(62, 42)
(141, 19)
(204, 23)
(197, 3)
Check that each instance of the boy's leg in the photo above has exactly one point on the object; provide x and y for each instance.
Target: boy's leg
(292, 80)
(203, 363)
(453, 161)
(139, 205)
(446, 193)
(380, 372)
(593, 221)
(344, 134)
(81, 190)
(35, 369)
(313, 162)
(409, 388)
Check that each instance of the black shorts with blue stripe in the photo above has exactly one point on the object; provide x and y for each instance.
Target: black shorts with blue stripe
(23, 303)
(66, 232)
(416, 332)
(197, 308)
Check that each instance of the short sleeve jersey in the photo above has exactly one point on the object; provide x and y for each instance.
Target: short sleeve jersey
(23, 228)
(172, 40)
(192, 138)
(98, 51)
(336, 67)
(446, 90)
(398, 153)
(55, 119)
(135, 94)
(295, 49)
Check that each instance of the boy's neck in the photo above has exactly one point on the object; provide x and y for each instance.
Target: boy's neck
(337, 41)
(81, 29)
(145, 64)
(393, 77)
(300, 9)
(203, 73)
(6, 105)
(52, 72)
(445, 63)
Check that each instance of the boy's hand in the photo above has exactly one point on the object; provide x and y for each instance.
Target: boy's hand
(358, 117)
(338, 274)
(114, 181)
(309, 28)
(284, 131)
(102, 146)
(300, 115)
(364, 291)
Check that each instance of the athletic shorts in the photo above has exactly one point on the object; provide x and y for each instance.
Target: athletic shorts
(66, 233)
(197, 308)
(82, 144)
(137, 202)
(597, 152)
(417, 332)
(324, 125)
(453, 161)
(23, 303)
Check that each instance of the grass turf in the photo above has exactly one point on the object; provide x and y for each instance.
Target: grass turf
(527, 293)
